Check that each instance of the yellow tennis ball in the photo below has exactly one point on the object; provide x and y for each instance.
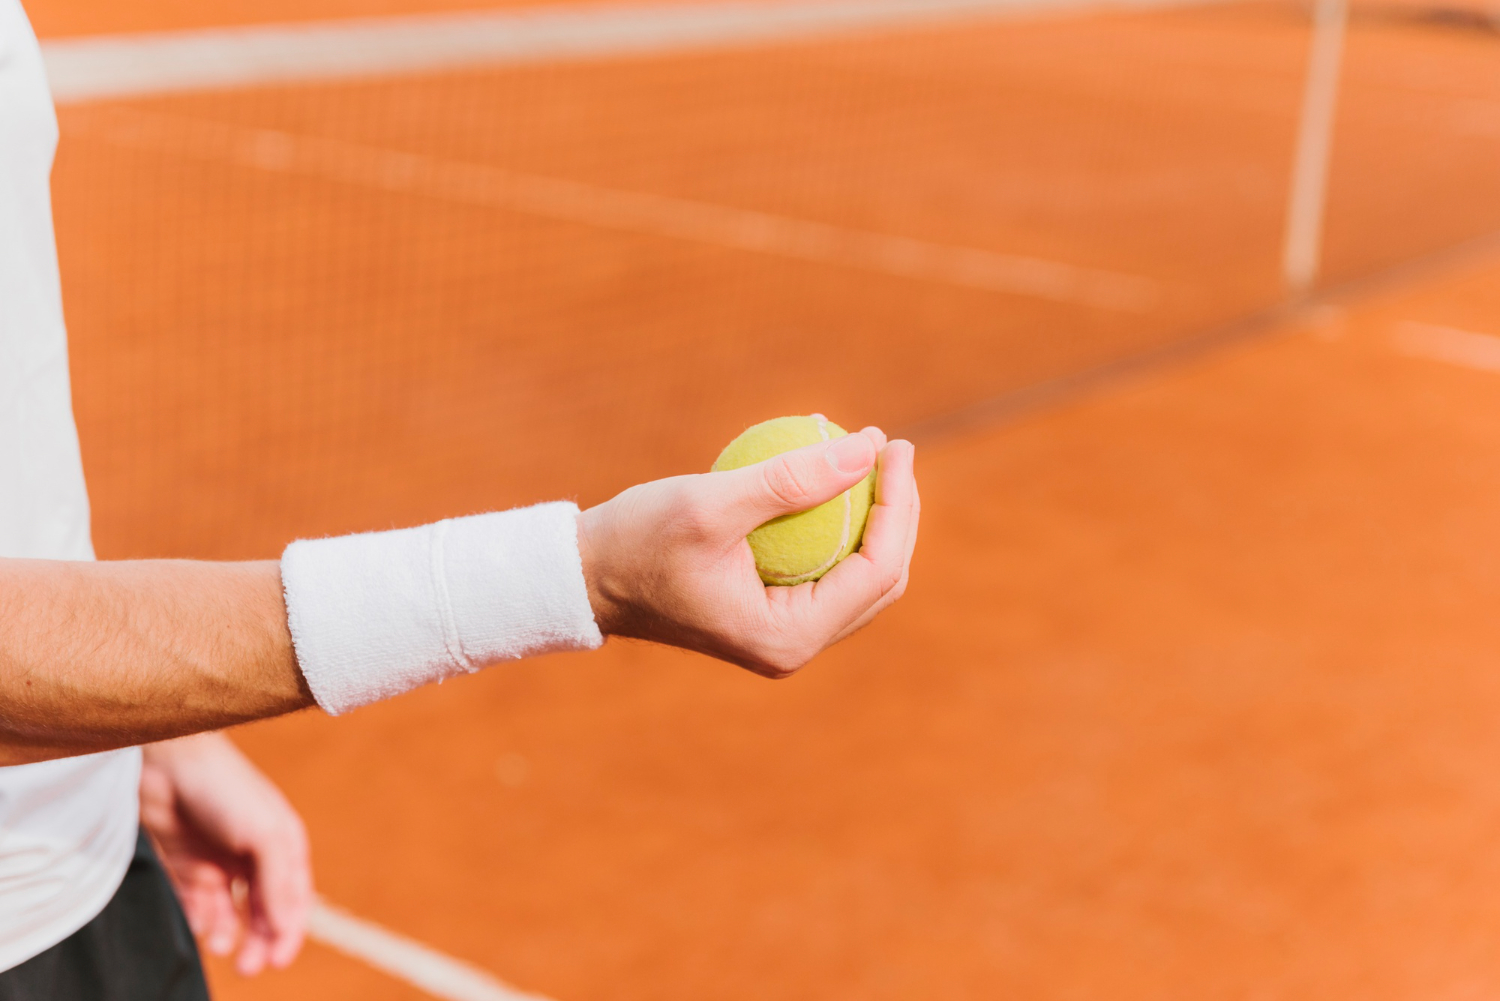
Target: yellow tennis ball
(800, 547)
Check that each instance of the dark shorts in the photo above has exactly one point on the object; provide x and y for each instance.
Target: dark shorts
(139, 948)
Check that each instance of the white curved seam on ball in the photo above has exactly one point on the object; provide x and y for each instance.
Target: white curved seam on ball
(802, 578)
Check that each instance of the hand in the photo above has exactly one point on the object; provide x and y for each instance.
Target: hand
(668, 561)
(225, 832)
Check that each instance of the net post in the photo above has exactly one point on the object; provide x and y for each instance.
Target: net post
(1302, 251)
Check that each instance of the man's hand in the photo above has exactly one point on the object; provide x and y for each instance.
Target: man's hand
(668, 561)
(234, 847)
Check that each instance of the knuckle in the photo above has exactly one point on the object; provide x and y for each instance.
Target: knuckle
(693, 517)
(286, 835)
(295, 839)
(785, 480)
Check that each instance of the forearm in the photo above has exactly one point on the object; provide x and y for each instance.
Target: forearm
(101, 655)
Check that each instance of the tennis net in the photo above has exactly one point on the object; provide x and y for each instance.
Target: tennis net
(445, 275)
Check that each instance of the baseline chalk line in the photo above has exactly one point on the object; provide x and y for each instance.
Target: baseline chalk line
(129, 65)
(608, 208)
(406, 959)
(1453, 345)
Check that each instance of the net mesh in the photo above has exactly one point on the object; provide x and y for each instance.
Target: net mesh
(330, 307)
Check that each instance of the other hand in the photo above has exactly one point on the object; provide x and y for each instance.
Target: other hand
(668, 561)
(235, 849)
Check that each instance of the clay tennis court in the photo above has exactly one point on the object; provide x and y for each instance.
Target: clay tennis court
(1195, 690)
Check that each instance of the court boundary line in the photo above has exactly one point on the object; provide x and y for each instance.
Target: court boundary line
(619, 210)
(1013, 406)
(1470, 349)
(89, 68)
(406, 959)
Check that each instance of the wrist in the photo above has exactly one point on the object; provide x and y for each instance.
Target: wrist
(378, 614)
(604, 595)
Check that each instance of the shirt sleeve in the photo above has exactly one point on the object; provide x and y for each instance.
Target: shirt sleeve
(381, 613)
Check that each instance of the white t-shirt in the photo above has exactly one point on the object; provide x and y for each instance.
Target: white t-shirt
(372, 615)
(68, 827)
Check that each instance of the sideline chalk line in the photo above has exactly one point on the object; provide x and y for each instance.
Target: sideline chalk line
(406, 959)
(1465, 348)
(131, 65)
(610, 208)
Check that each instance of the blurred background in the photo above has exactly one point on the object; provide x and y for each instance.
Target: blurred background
(1192, 309)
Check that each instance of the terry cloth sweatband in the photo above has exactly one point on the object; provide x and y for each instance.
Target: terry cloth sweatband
(378, 614)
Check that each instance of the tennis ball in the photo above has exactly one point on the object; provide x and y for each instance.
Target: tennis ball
(800, 547)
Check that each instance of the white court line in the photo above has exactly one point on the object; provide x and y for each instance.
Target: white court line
(407, 959)
(1477, 118)
(1448, 344)
(113, 66)
(1302, 253)
(609, 208)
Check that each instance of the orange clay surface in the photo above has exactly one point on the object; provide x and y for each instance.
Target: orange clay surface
(1194, 693)
(261, 354)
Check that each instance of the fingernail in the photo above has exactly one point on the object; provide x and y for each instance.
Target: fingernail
(850, 454)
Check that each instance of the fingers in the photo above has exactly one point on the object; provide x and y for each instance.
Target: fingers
(793, 481)
(209, 905)
(853, 591)
(252, 957)
(895, 593)
(887, 532)
(279, 899)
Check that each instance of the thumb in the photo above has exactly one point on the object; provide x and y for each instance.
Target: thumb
(792, 481)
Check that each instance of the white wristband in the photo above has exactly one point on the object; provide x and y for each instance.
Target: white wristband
(379, 614)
